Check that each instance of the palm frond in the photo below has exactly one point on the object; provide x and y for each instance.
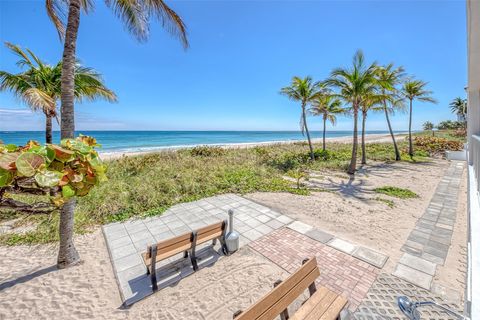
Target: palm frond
(133, 15)
(24, 59)
(57, 12)
(38, 99)
(170, 20)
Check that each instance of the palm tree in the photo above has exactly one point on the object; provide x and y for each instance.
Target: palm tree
(415, 90)
(389, 78)
(305, 91)
(459, 107)
(136, 15)
(354, 84)
(371, 102)
(327, 106)
(428, 126)
(39, 86)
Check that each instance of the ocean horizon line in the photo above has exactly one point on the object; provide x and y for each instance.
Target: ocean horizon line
(146, 140)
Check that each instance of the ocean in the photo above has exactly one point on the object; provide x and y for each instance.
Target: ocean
(133, 141)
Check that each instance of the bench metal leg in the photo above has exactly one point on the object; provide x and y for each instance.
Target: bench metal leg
(311, 288)
(214, 242)
(153, 273)
(222, 238)
(284, 314)
(193, 257)
(185, 254)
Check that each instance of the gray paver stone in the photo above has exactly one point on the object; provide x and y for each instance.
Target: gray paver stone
(319, 235)
(418, 264)
(370, 256)
(300, 227)
(413, 276)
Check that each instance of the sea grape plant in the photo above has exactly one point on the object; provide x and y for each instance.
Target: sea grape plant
(62, 171)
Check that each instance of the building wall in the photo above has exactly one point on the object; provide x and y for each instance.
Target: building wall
(473, 90)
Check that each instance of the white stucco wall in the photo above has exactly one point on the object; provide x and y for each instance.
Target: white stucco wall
(473, 42)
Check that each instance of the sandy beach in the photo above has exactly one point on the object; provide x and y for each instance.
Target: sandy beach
(370, 138)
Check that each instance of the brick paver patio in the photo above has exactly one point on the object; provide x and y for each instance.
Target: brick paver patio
(339, 271)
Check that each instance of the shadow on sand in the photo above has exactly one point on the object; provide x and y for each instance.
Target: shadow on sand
(27, 277)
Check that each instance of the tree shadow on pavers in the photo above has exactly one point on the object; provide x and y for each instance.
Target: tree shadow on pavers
(168, 275)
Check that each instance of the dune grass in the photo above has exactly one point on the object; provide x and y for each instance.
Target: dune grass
(396, 192)
(147, 185)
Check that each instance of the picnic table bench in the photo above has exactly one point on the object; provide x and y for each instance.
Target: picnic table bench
(322, 304)
(185, 243)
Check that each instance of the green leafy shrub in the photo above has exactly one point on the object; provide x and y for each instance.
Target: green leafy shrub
(207, 151)
(70, 169)
(298, 174)
(436, 145)
(396, 192)
(289, 160)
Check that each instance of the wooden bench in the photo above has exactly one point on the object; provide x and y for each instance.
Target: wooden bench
(322, 304)
(185, 243)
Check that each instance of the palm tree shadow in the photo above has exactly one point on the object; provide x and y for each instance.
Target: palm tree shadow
(348, 188)
(27, 277)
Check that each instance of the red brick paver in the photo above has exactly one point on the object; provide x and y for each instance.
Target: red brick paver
(339, 272)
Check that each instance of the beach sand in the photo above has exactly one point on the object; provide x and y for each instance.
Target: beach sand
(32, 288)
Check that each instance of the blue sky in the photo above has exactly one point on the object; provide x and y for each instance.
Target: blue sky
(241, 53)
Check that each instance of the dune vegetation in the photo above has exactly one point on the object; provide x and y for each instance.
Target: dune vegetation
(146, 185)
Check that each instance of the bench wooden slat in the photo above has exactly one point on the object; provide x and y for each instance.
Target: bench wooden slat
(209, 236)
(170, 242)
(303, 312)
(290, 297)
(167, 254)
(284, 294)
(335, 308)
(215, 226)
(315, 306)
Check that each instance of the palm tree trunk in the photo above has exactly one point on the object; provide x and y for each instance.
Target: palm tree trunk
(48, 128)
(353, 161)
(410, 144)
(304, 115)
(397, 152)
(68, 255)
(364, 152)
(324, 129)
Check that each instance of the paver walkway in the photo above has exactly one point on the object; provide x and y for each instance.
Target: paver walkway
(340, 272)
(429, 242)
(126, 241)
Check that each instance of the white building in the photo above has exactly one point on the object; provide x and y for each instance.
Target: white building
(473, 90)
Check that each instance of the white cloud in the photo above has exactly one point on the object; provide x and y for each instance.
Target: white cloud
(8, 111)
(12, 119)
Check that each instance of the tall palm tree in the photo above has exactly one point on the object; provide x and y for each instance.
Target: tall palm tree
(371, 102)
(305, 91)
(39, 86)
(459, 107)
(136, 15)
(354, 84)
(389, 78)
(328, 107)
(415, 90)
